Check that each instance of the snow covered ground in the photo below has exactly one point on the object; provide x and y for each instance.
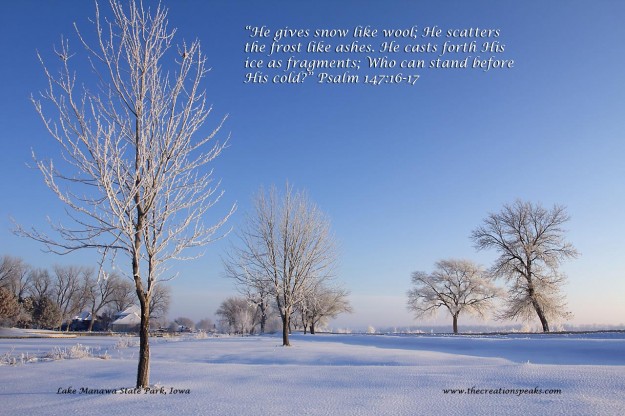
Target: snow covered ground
(323, 375)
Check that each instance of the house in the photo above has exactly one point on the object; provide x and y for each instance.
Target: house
(127, 320)
(79, 322)
(82, 321)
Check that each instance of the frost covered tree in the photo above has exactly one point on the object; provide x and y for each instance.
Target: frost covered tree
(257, 292)
(459, 286)
(286, 246)
(531, 246)
(134, 172)
(321, 304)
(261, 298)
(206, 325)
(238, 315)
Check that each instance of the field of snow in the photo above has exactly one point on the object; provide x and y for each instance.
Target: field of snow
(321, 375)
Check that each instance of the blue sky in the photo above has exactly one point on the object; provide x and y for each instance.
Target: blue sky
(404, 172)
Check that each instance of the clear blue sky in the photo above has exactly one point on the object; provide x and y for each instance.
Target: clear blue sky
(404, 172)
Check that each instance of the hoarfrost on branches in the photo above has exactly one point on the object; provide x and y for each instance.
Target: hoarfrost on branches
(134, 173)
(286, 248)
(456, 285)
(531, 246)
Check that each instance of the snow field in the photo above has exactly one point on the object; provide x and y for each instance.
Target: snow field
(326, 375)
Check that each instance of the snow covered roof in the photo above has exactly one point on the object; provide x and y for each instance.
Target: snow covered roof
(129, 316)
(133, 309)
(83, 316)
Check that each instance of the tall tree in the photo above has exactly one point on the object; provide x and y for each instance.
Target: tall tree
(15, 275)
(459, 286)
(286, 246)
(531, 246)
(40, 283)
(68, 290)
(134, 174)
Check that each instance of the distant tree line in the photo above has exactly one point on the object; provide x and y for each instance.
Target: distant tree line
(529, 240)
(184, 324)
(50, 299)
(242, 315)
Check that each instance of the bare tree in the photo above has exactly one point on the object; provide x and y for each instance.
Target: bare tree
(160, 301)
(258, 289)
(68, 290)
(238, 316)
(15, 275)
(7, 265)
(286, 246)
(457, 285)
(531, 246)
(134, 174)
(40, 283)
(186, 323)
(99, 293)
(124, 296)
(206, 325)
(321, 304)
(260, 295)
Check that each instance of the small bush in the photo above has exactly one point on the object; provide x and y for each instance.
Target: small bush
(126, 342)
(8, 358)
(201, 335)
(77, 351)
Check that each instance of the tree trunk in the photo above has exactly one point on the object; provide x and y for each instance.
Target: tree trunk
(285, 330)
(91, 321)
(541, 315)
(455, 317)
(537, 307)
(143, 371)
(263, 316)
(312, 328)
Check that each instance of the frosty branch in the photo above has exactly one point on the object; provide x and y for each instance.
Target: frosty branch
(134, 173)
(286, 248)
(531, 246)
(460, 286)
